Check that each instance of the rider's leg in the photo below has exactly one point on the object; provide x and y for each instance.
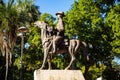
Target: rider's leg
(54, 45)
(56, 41)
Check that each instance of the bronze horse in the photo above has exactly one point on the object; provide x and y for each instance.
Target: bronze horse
(71, 48)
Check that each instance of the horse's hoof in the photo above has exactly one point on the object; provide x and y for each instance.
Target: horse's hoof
(40, 68)
(66, 69)
(49, 69)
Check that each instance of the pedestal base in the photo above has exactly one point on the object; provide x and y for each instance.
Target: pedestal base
(58, 75)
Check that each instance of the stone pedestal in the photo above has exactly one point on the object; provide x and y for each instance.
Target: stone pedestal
(58, 75)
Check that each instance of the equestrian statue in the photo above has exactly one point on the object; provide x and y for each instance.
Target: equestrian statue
(54, 41)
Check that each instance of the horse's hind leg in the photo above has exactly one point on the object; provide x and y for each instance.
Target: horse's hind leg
(72, 59)
(71, 52)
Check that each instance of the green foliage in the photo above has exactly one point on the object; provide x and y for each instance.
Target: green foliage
(113, 21)
(34, 37)
(34, 53)
(112, 73)
(95, 72)
(83, 20)
(17, 62)
(47, 18)
(59, 62)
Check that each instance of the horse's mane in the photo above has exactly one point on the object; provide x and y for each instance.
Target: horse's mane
(44, 33)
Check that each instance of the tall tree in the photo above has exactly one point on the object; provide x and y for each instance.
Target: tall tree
(85, 20)
(12, 16)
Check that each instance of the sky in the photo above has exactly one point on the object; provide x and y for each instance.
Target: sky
(53, 6)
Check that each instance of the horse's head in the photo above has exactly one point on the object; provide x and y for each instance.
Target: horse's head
(41, 24)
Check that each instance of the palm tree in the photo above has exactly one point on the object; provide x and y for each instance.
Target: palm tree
(13, 14)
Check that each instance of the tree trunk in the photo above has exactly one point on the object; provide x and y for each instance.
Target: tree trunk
(86, 72)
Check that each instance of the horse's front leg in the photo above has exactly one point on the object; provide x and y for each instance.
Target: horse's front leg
(45, 57)
(49, 61)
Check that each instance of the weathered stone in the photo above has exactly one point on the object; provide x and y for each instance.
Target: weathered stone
(58, 75)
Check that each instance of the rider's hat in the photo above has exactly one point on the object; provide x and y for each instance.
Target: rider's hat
(60, 13)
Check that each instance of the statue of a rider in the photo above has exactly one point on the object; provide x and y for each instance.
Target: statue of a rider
(59, 37)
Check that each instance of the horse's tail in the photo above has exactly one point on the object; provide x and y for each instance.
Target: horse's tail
(85, 50)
